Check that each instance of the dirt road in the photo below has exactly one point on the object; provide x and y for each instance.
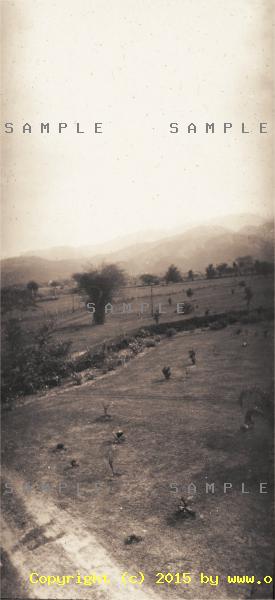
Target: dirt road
(36, 535)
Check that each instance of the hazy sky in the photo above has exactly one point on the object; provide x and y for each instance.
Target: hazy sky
(135, 66)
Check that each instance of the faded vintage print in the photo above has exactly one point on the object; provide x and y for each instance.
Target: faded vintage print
(137, 270)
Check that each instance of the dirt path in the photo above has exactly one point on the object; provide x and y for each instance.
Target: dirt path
(35, 534)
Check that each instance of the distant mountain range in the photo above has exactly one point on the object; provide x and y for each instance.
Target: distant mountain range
(194, 248)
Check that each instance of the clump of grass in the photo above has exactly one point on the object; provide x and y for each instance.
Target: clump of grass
(192, 356)
(132, 539)
(184, 510)
(167, 372)
(119, 436)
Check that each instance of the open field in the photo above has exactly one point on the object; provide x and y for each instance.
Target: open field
(213, 295)
(179, 431)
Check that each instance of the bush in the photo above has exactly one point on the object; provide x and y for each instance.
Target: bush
(246, 319)
(143, 333)
(32, 361)
(216, 325)
(136, 346)
(171, 332)
(111, 364)
(77, 379)
(150, 343)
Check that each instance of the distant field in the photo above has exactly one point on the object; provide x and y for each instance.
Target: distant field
(215, 296)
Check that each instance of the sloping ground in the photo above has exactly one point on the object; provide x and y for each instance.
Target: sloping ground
(42, 539)
(215, 296)
(177, 432)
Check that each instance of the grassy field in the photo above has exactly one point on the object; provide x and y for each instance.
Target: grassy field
(181, 431)
(215, 296)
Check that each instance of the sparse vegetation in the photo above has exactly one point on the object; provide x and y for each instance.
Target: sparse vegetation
(31, 361)
(182, 434)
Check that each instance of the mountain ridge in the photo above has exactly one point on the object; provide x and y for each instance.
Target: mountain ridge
(193, 248)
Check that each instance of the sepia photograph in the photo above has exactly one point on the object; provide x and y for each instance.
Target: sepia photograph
(137, 300)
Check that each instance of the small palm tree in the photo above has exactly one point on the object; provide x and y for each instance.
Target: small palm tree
(32, 286)
(248, 295)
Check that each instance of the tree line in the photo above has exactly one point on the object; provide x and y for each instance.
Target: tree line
(99, 285)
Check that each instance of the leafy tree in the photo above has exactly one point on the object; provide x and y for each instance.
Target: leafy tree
(156, 315)
(14, 297)
(263, 267)
(210, 271)
(31, 360)
(54, 285)
(191, 275)
(99, 286)
(32, 286)
(148, 279)
(245, 264)
(173, 275)
(222, 269)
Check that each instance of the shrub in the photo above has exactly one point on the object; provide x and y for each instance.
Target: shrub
(171, 331)
(150, 343)
(32, 361)
(77, 379)
(143, 333)
(111, 364)
(188, 308)
(136, 346)
(216, 325)
(166, 372)
(246, 319)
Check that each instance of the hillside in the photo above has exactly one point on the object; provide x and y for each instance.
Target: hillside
(192, 249)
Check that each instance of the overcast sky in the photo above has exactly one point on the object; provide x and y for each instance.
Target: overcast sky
(135, 66)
